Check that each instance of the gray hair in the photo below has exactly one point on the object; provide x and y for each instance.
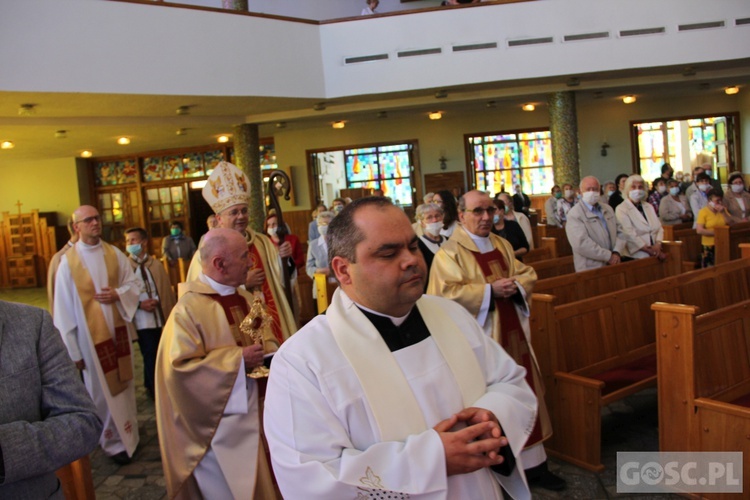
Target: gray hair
(629, 183)
(324, 215)
(423, 209)
(343, 234)
(462, 199)
(428, 196)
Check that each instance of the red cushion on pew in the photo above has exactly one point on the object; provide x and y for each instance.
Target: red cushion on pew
(628, 374)
(742, 401)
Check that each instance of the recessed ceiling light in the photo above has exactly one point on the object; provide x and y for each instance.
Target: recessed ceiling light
(61, 134)
(732, 90)
(528, 107)
(435, 115)
(628, 99)
(223, 138)
(123, 141)
(339, 124)
(441, 94)
(181, 131)
(86, 154)
(183, 110)
(382, 114)
(26, 109)
(320, 106)
(7, 145)
(280, 124)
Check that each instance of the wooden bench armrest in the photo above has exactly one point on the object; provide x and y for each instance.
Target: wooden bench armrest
(578, 380)
(720, 406)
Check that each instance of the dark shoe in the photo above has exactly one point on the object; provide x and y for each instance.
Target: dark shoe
(121, 458)
(541, 477)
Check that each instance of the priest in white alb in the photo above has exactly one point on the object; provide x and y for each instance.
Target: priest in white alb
(392, 394)
(206, 405)
(96, 294)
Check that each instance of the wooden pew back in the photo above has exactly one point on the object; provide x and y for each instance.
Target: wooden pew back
(691, 248)
(728, 239)
(550, 268)
(545, 250)
(561, 238)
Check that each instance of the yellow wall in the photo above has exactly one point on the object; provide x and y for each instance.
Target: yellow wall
(47, 185)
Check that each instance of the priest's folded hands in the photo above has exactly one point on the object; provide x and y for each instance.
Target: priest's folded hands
(472, 447)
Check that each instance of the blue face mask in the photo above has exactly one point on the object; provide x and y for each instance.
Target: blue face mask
(496, 218)
(134, 249)
(674, 191)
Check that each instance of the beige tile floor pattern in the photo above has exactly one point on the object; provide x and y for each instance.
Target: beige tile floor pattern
(629, 425)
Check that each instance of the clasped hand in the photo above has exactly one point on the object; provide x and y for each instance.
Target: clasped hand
(474, 447)
(504, 288)
(107, 296)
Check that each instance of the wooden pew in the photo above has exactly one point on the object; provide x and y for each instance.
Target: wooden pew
(550, 268)
(561, 238)
(77, 480)
(545, 249)
(604, 348)
(704, 380)
(727, 241)
(691, 248)
(534, 221)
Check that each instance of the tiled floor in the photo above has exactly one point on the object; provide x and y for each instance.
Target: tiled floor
(629, 425)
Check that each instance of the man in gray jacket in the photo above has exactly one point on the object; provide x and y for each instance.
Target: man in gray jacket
(47, 418)
(593, 231)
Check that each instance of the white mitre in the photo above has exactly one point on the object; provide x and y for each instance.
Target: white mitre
(227, 186)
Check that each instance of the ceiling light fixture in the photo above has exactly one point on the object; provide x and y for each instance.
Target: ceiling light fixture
(223, 138)
(86, 154)
(319, 106)
(183, 110)
(280, 124)
(27, 109)
(339, 124)
(732, 90)
(7, 145)
(123, 141)
(628, 99)
(382, 114)
(491, 104)
(441, 94)
(528, 107)
(181, 131)
(435, 115)
(61, 134)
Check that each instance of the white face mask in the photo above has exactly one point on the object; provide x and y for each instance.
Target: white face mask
(590, 197)
(715, 206)
(610, 192)
(433, 228)
(738, 188)
(704, 187)
(637, 195)
(569, 193)
(323, 230)
(674, 191)
(271, 231)
(662, 189)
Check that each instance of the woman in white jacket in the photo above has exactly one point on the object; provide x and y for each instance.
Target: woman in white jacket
(640, 224)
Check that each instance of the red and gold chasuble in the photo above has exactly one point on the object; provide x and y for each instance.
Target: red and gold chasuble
(513, 339)
(265, 288)
(235, 309)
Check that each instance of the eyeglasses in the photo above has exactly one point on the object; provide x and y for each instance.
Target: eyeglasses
(236, 212)
(479, 211)
(89, 220)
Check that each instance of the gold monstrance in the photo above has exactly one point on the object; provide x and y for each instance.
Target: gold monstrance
(255, 328)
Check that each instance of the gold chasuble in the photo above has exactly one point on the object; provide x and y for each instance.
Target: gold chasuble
(196, 369)
(113, 354)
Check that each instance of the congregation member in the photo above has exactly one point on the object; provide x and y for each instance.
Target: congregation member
(177, 246)
(699, 196)
(608, 190)
(47, 419)
(616, 198)
(428, 198)
(96, 295)
(658, 191)
(211, 223)
(392, 392)
(593, 231)
(737, 199)
(642, 230)
(512, 215)
(565, 203)
(156, 300)
(370, 6)
(674, 207)
(510, 231)
(667, 173)
(337, 205)
(712, 215)
(54, 263)
(477, 269)
(706, 160)
(312, 228)
(445, 200)
(430, 218)
(521, 201)
(206, 405)
(550, 206)
(227, 192)
(294, 263)
(690, 187)
(317, 253)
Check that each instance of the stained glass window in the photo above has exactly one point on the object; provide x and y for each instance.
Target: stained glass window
(384, 167)
(502, 160)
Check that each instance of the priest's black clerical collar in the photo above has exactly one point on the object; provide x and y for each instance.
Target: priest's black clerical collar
(412, 331)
